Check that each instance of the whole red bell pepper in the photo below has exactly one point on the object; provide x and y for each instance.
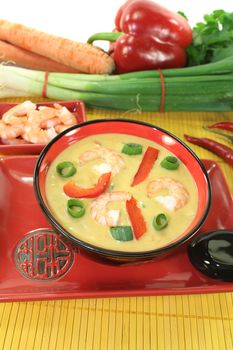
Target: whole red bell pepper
(147, 36)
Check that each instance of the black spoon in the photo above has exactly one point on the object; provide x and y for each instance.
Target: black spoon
(212, 254)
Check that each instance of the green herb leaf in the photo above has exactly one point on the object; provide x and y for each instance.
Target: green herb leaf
(221, 53)
(212, 39)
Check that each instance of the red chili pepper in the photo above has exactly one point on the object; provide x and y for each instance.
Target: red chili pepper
(222, 125)
(74, 191)
(147, 36)
(136, 217)
(146, 165)
(221, 150)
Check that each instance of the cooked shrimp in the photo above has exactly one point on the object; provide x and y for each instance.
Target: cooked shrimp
(112, 158)
(47, 112)
(57, 105)
(65, 116)
(37, 135)
(61, 127)
(49, 123)
(38, 116)
(178, 195)
(13, 120)
(10, 131)
(15, 141)
(99, 211)
(34, 118)
(35, 125)
(19, 110)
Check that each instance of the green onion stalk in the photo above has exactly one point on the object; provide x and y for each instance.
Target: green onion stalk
(207, 87)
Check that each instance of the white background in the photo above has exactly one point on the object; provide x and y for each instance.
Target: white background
(78, 19)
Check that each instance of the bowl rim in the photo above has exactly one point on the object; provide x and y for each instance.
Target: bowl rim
(109, 252)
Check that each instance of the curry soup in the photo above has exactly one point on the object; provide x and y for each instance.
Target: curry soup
(87, 175)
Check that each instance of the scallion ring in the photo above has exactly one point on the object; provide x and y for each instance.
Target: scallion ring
(170, 163)
(66, 169)
(160, 221)
(122, 233)
(132, 149)
(75, 208)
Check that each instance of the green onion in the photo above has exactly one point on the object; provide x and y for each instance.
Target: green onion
(75, 208)
(160, 221)
(206, 87)
(122, 233)
(170, 163)
(132, 149)
(66, 169)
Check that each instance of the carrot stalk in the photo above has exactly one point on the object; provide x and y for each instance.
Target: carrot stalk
(27, 59)
(81, 56)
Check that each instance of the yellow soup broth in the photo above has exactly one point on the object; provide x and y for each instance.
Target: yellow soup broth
(87, 175)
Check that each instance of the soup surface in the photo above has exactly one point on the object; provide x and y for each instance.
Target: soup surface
(174, 194)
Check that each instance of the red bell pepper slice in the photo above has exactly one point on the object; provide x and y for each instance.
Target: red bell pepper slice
(136, 217)
(74, 191)
(146, 165)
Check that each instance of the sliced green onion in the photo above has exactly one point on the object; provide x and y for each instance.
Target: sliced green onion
(66, 169)
(160, 221)
(132, 149)
(170, 163)
(122, 233)
(75, 208)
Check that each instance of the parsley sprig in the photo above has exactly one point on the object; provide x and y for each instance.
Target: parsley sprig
(212, 39)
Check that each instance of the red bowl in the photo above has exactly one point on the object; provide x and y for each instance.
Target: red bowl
(130, 127)
(75, 107)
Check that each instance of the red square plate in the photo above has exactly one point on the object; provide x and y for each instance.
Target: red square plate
(36, 264)
(75, 107)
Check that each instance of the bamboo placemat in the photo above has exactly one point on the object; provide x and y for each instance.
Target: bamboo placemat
(190, 322)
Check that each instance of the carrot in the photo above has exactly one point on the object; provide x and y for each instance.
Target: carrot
(27, 59)
(81, 56)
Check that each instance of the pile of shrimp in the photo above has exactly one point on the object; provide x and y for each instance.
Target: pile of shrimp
(25, 123)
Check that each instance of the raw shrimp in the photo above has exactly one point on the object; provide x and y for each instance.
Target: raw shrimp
(37, 135)
(99, 211)
(112, 158)
(178, 195)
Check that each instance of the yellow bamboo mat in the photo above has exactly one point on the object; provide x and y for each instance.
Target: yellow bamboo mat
(190, 322)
